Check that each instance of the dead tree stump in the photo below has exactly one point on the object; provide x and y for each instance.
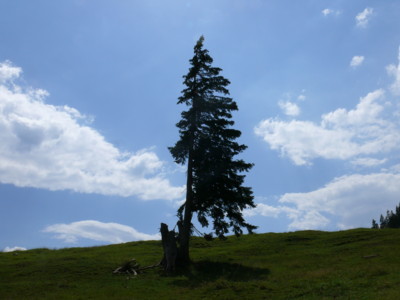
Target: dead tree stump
(170, 248)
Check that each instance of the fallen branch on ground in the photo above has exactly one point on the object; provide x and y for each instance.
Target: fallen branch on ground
(133, 268)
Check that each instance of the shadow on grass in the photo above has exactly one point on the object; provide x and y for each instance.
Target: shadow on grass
(209, 271)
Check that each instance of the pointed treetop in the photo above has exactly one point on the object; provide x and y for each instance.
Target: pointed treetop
(200, 41)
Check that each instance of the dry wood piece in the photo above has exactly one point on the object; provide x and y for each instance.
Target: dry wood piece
(129, 267)
(167, 262)
(132, 268)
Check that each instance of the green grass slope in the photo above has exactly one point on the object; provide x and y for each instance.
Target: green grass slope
(353, 264)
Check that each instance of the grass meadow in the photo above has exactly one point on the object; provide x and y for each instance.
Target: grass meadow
(351, 264)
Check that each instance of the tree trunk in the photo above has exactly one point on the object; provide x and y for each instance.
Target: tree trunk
(184, 230)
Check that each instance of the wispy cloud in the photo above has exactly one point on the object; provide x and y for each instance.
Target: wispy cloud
(301, 97)
(52, 147)
(266, 210)
(356, 61)
(97, 231)
(363, 17)
(368, 162)
(12, 249)
(328, 11)
(394, 71)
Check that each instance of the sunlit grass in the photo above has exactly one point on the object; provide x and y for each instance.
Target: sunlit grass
(353, 264)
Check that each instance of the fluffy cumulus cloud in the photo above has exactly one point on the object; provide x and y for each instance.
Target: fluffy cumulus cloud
(289, 108)
(52, 147)
(8, 72)
(97, 231)
(370, 129)
(351, 200)
(341, 134)
(12, 249)
(363, 17)
(288, 103)
(367, 136)
(356, 61)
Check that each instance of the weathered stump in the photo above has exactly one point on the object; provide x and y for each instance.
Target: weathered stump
(170, 248)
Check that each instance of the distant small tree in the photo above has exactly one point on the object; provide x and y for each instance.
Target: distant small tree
(392, 219)
(214, 184)
(374, 224)
(382, 222)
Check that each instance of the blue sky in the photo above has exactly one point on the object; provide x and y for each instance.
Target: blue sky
(88, 93)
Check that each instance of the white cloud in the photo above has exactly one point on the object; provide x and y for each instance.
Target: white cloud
(328, 11)
(50, 147)
(342, 134)
(367, 112)
(394, 71)
(368, 162)
(360, 135)
(301, 97)
(353, 199)
(289, 108)
(363, 17)
(356, 61)
(268, 210)
(305, 220)
(12, 249)
(346, 202)
(8, 72)
(97, 231)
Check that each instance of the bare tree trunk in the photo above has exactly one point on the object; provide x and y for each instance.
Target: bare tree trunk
(184, 230)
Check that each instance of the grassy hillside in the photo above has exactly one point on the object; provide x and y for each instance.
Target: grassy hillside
(353, 264)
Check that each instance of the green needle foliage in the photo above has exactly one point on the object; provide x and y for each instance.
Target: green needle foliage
(207, 144)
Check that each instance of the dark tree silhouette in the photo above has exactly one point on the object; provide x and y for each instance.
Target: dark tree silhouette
(374, 224)
(214, 187)
(392, 220)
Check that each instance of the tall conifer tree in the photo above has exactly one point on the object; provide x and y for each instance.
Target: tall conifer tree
(214, 187)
